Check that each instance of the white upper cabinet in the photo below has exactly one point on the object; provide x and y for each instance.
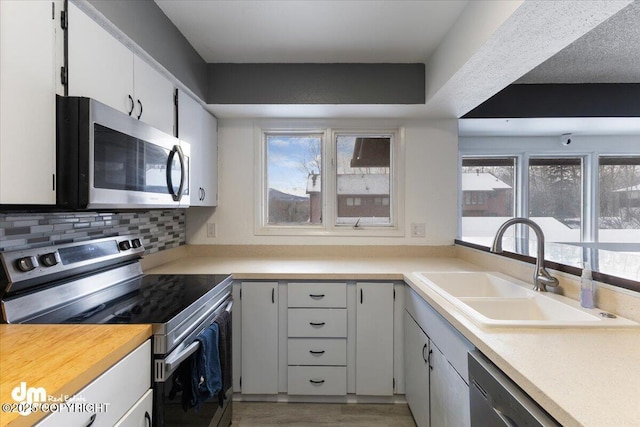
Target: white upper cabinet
(199, 128)
(154, 97)
(101, 67)
(30, 47)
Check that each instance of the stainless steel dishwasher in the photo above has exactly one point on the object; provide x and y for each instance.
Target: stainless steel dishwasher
(497, 401)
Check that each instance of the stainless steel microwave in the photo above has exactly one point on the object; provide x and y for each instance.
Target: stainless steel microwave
(107, 159)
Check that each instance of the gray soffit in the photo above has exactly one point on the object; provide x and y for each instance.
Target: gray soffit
(610, 53)
(316, 84)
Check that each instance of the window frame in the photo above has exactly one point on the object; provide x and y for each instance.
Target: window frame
(329, 184)
(588, 148)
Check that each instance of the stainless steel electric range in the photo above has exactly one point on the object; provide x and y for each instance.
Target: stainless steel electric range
(101, 282)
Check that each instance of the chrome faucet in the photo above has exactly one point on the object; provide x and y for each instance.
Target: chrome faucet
(541, 277)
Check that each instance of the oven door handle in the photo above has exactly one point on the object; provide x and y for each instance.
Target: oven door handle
(172, 361)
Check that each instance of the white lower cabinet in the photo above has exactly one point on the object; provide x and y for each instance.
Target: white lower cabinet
(140, 415)
(374, 339)
(416, 365)
(449, 393)
(122, 391)
(436, 372)
(317, 380)
(323, 339)
(317, 339)
(259, 337)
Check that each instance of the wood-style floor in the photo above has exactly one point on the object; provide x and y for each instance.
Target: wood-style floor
(246, 414)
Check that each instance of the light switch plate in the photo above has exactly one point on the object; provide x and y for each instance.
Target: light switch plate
(211, 229)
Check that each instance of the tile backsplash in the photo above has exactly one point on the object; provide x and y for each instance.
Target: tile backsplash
(159, 229)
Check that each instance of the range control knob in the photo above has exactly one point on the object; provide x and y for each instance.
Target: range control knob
(50, 259)
(124, 245)
(136, 243)
(27, 263)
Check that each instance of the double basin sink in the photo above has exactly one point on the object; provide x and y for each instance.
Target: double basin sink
(494, 300)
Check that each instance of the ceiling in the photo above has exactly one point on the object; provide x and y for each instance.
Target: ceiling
(540, 42)
(308, 31)
(610, 53)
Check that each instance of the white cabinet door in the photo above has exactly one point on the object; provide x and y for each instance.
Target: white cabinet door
(100, 66)
(200, 129)
(449, 393)
(154, 97)
(112, 394)
(28, 79)
(208, 161)
(416, 350)
(103, 68)
(374, 339)
(259, 337)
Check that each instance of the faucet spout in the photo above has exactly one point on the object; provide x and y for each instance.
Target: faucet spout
(541, 277)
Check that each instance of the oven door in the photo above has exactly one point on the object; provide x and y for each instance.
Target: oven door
(168, 381)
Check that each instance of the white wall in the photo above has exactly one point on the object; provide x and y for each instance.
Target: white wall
(431, 152)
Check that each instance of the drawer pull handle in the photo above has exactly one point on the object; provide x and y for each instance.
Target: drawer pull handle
(316, 381)
(316, 296)
(316, 351)
(92, 420)
(317, 323)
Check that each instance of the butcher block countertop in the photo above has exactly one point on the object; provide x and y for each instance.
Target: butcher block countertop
(62, 359)
(582, 377)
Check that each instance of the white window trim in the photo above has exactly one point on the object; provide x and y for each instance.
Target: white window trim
(329, 209)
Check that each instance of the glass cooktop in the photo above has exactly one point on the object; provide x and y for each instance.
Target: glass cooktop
(153, 299)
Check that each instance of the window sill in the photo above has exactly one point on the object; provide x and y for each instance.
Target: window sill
(633, 285)
(346, 231)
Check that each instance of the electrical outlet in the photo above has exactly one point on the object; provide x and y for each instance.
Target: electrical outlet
(211, 229)
(418, 229)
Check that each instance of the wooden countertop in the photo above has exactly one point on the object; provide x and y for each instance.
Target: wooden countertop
(582, 377)
(62, 359)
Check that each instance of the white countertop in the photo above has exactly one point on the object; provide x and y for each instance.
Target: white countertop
(582, 377)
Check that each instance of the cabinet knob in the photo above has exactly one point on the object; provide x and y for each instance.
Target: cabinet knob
(140, 113)
(133, 104)
(316, 381)
(317, 323)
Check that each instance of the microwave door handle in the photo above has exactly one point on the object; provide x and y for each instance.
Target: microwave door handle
(176, 196)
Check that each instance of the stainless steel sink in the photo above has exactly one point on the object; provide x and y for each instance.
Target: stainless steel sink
(495, 300)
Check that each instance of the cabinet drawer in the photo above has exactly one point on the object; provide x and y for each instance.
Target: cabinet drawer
(140, 414)
(317, 295)
(317, 351)
(113, 393)
(318, 380)
(317, 322)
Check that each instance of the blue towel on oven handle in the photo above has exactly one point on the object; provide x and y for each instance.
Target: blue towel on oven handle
(207, 375)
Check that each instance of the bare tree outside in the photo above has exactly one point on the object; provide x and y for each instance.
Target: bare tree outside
(619, 183)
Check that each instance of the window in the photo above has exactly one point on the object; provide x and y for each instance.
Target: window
(619, 194)
(294, 168)
(487, 186)
(555, 198)
(363, 169)
(343, 184)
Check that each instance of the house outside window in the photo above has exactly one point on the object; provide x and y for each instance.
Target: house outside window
(315, 184)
